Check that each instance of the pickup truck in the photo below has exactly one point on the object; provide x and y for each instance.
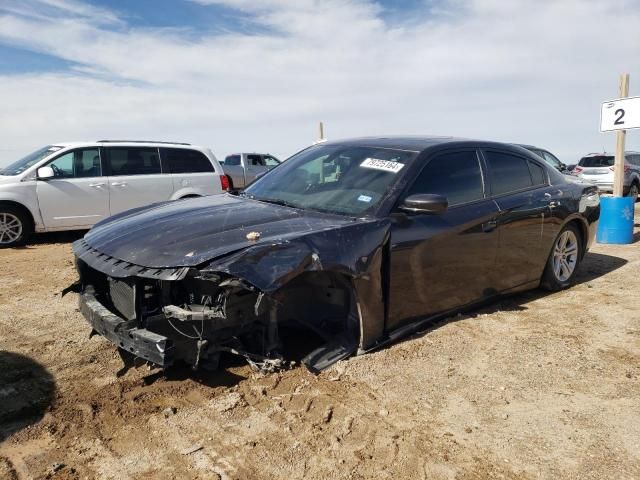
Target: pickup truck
(243, 168)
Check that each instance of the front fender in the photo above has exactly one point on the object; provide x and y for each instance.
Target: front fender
(356, 251)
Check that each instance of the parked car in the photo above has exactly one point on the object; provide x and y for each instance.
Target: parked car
(598, 168)
(359, 241)
(71, 186)
(548, 157)
(244, 168)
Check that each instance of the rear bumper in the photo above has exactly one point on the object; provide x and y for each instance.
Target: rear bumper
(138, 341)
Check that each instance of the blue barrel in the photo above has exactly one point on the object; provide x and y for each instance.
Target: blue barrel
(616, 220)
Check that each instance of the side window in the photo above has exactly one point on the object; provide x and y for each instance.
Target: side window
(63, 165)
(232, 160)
(87, 163)
(455, 175)
(133, 161)
(270, 161)
(182, 160)
(77, 164)
(255, 160)
(537, 174)
(508, 173)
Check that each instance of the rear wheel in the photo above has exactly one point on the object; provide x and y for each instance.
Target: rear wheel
(15, 227)
(563, 260)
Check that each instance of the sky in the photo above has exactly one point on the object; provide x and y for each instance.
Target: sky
(258, 75)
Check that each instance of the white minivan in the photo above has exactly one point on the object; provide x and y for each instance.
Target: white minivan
(71, 186)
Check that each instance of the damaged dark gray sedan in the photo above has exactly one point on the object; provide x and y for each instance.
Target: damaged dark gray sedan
(357, 242)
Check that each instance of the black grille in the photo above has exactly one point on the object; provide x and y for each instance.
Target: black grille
(123, 297)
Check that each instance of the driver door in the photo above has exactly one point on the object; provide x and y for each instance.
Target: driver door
(78, 195)
(443, 261)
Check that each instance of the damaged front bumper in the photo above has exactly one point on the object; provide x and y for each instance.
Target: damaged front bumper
(140, 342)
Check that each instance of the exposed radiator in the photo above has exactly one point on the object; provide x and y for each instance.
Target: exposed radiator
(123, 297)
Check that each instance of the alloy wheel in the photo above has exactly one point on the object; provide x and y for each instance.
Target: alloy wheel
(633, 191)
(10, 228)
(565, 255)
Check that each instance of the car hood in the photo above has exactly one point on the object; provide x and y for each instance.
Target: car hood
(195, 231)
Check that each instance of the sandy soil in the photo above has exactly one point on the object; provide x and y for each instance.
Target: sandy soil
(535, 386)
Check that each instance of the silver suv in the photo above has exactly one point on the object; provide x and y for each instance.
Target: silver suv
(72, 186)
(598, 168)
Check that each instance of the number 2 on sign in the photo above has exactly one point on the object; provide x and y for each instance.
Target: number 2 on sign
(620, 113)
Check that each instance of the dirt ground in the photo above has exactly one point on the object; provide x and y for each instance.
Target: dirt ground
(534, 386)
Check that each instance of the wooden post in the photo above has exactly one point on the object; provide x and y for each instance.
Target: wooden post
(321, 131)
(618, 173)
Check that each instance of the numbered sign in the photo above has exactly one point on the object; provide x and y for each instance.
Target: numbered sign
(621, 114)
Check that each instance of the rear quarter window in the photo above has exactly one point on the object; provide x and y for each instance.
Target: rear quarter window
(538, 175)
(182, 160)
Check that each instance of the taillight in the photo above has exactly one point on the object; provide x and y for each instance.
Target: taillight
(224, 182)
(577, 169)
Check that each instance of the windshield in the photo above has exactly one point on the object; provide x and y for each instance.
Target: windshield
(597, 161)
(16, 168)
(348, 180)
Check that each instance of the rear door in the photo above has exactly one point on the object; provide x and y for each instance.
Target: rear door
(136, 178)
(520, 187)
(78, 195)
(192, 173)
(440, 262)
(255, 166)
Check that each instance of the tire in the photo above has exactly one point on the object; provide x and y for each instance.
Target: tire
(15, 226)
(634, 191)
(563, 260)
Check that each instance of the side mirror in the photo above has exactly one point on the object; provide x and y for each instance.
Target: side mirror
(46, 173)
(425, 203)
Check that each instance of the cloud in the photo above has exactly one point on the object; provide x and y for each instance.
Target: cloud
(527, 71)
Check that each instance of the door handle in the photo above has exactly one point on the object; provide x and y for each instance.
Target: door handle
(553, 204)
(489, 226)
(96, 185)
(119, 184)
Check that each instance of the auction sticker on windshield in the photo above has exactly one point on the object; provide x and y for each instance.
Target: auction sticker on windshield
(384, 165)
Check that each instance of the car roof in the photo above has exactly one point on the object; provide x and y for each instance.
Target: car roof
(607, 154)
(524, 145)
(417, 143)
(121, 143)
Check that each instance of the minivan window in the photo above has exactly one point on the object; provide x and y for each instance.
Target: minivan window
(182, 160)
(232, 160)
(508, 173)
(456, 175)
(19, 166)
(597, 161)
(80, 163)
(133, 161)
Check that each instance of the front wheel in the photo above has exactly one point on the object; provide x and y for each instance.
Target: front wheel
(15, 227)
(563, 260)
(634, 191)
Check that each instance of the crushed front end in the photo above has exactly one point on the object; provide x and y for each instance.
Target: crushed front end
(192, 315)
(165, 315)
